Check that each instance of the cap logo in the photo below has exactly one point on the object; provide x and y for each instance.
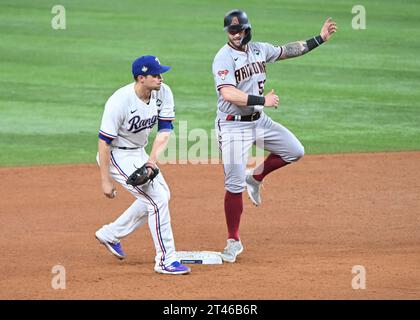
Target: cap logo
(144, 69)
(234, 21)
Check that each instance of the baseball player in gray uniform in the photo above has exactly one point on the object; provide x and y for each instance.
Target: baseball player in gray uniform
(239, 70)
(129, 116)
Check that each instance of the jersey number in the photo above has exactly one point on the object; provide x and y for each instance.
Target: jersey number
(261, 86)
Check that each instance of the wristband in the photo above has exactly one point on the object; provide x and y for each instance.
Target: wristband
(255, 100)
(314, 42)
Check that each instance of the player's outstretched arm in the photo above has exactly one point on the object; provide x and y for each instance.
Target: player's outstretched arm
(299, 48)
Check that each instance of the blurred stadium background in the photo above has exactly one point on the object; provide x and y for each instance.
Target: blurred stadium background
(358, 93)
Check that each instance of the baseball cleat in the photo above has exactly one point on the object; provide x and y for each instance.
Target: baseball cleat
(233, 249)
(253, 187)
(174, 268)
(114, 248)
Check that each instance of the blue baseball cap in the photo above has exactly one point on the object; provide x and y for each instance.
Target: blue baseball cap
(148, 65)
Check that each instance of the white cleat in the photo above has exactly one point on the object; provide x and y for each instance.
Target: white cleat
(233, 249)
(253, 187)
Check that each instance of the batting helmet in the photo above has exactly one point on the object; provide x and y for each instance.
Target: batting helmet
(235, 21)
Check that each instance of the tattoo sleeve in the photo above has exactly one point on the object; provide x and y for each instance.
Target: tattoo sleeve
(294, 49)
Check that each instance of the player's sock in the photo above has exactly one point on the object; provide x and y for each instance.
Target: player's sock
(273, 162)
(233, 211)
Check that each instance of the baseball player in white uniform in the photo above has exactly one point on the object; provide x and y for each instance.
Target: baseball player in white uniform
(129, 116)
(239, 70)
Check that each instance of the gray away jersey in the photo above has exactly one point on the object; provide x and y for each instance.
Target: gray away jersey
(127, 120)
(245, 71)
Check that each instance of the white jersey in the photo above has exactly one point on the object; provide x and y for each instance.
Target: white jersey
(244, 70)
(127, 120)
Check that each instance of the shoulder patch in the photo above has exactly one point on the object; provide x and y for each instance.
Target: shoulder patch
(222, 74)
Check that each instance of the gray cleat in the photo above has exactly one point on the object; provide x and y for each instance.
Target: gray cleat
(253, 187)
(232, 250)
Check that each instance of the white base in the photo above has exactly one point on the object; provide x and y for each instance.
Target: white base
(199, 257)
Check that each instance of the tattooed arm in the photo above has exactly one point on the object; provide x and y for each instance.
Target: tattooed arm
(299, 48)
(293, 49)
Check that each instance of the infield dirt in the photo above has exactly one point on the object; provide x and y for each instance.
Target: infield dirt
(319, 218)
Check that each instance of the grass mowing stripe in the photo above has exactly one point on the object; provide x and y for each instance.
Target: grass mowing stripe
(359, 92)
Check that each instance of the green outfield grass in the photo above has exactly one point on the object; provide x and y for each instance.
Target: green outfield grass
(359, 92)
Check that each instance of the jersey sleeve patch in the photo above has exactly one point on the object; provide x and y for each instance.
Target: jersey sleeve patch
(224, 69)
(223, 73)
(165, 104)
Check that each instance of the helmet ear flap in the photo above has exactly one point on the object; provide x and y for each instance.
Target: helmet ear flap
(247, 37)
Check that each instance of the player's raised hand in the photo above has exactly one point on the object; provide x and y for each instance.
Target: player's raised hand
(109, 189)
(271, 99)
(329, 27)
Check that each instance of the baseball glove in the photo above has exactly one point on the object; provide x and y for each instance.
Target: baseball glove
(141, 175)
